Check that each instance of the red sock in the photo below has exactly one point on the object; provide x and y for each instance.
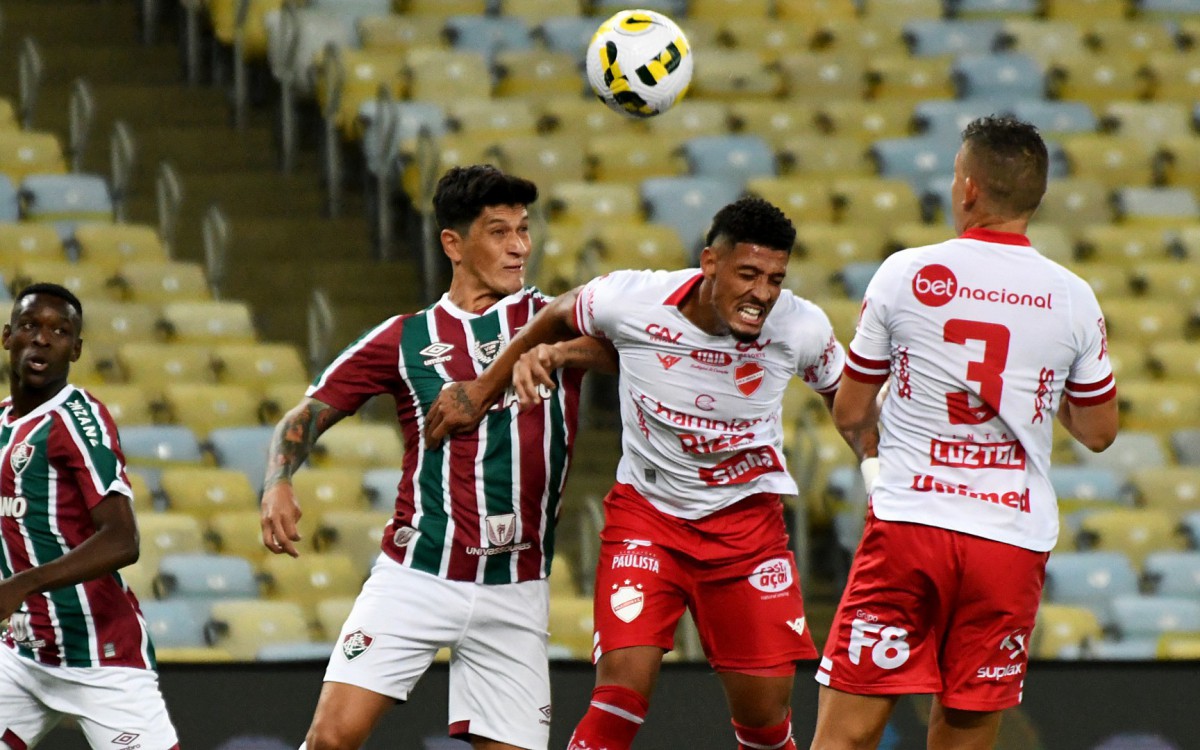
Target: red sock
(778, 737)
(611, 721)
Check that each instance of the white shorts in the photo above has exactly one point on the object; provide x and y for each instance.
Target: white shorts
(499, 676)
(117, 707)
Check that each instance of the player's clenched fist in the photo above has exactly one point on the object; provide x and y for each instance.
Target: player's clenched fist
(533, 378)
(458, 408)
(280, 518)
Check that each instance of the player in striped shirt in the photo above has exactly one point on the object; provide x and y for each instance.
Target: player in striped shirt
(468, 550)
(985, 341)
(76, 643)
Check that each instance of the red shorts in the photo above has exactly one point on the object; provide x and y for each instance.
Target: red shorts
(732, 569)
(928, 610)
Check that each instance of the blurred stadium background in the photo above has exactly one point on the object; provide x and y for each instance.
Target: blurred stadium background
(236, 188)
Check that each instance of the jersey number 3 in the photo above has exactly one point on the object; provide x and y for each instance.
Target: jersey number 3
(988, 372)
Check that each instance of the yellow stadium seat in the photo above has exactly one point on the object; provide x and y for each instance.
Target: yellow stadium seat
(1075, 203)
(1135, 532)
(773, 121)
(1159, 406)
(157, 282)
(804, 200)
(139, 577)
(1060, 626)
(1146, 320)
(1179, 646)
(1128, 39)
(154, 366)
(874, 200)
(843, 314)
(1129, 360)
(1180, 160)
(557, 265)
(114, 245)
(1085, 10)
(24, 152)
(1173, 76)
(362, 72)
(111, 324)
(1166, 279)
(204, 408)
(1176, 360)
(1173, 489)
(764, 35)
(866, 121)
(580, 116)
(730, 10)
(537, 73)
(820, 77)
(23, 242)
(168, 534)
(734, 74)
(366, 446)
(562, 577)
(203, 491)
(400, 32)
(619, 246)
(571, 625)
(902, 10)
(356, 534)
(630, 157)
(688, 119)
(208, 322)
(8, 115)
(822, 157)
(86, 281)
(256, 365)
(1105, 280)
(192, 655)
(858, 37)
(544, 159)
(444, 8)
(143, 497)
(1046, 41)
(223, 16)
(1150, 121)
(332, 614)
(536, 10)
(237, 532)
(321, 490)
(583, 202)
(243, 627)
(910, 79)
(1111, 160)
(1123, 246)
(447, 75)
(1097, 80)
(1052, 241)
(800, 401)
(835, 245)
(905, 235)
(128, 404)
(307, 579)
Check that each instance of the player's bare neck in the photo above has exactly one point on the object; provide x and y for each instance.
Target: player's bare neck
(699, 309)
(473, 299)
(25, 400)
(994, 223)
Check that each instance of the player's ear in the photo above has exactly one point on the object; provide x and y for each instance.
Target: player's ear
(708, 261)
(5, 334)
(970, 192)
(77, 350)
(452, 245)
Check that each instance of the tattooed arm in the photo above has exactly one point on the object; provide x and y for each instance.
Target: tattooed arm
(293, 440)
(532, 377)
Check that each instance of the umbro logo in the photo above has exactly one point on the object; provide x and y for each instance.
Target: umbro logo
(668, 360)
(125, 738)
(436, 353)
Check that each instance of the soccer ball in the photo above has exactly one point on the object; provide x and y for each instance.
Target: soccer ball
(639, 63)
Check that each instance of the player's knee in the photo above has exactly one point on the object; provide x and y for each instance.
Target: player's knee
(326, 735)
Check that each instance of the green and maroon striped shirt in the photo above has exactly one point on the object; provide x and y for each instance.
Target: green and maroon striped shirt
(56, 464)
(482, 507)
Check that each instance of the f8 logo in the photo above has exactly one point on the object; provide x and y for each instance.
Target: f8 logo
(889, 650)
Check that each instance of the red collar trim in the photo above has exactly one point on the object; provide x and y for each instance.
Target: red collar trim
(683, 291)
(1000, 238)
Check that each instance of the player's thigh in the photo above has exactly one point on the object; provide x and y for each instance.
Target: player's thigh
(748, 606)
(24, 719)
(116, 707)
(986, 647)
(399, 621)
(346, 715)
(885, 637)
(499, 671)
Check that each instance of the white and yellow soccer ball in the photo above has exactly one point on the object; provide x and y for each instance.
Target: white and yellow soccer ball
(639, 63)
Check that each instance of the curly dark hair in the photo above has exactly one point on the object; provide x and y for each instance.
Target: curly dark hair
(752, 220)
(54, 290)
(1008, 159)
(463, 193)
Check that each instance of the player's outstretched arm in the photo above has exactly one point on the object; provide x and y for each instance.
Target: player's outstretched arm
(532, 377)
(1094, 426)
(460, 407)
(112, 547)
(856, 416)
(293, 441)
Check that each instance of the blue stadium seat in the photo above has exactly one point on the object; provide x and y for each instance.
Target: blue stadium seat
(410, 120)
(736, 158)
(244, 449)
(488, 34)
(1152, 616)
(292, 48)
(178, 623)
(944, 119)
(1089, 579)
(1168, 9)
(1126, 649)
(1175, 205)
(994, 8)
(569, 34)
(354, 8)
(205, 577)
(687, 204)
(1057, 117)
(999, 78)
(380, 486)
(1132, 450)
(10, 209)
(65, 200)
(915, 159)
(1191, 528)
(672, 8)
(1087, 483)
(929, 38)
(295, 651)
(1173, 574)
(1186, 445)
(160, 443)
(854, 278)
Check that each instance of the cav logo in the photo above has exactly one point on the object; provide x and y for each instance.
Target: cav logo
(772, 576)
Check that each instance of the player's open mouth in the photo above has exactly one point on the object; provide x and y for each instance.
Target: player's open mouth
(750, 314)
(37, 364)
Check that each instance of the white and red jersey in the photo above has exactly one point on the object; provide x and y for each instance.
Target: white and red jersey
(57, 463)
(701, 414)
(981, 336)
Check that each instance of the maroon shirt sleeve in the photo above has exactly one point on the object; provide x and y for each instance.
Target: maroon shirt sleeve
(366, 368)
